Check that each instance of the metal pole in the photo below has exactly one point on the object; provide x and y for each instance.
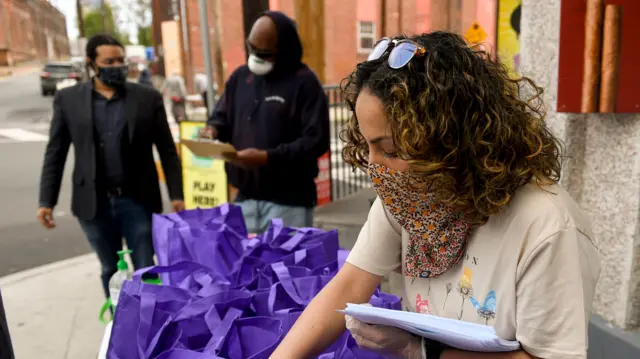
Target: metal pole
(103, 11)
(80, 19)
(206, 48)
(185, 55)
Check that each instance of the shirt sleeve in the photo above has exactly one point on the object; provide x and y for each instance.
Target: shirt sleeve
(378, 249)
(554, 293)
(221, 116)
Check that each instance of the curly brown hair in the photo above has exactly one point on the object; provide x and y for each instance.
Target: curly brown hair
(462, 123)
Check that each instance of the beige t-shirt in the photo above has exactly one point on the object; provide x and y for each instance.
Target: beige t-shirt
(530, 272)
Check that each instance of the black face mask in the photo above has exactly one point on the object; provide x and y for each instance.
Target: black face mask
(113, 76)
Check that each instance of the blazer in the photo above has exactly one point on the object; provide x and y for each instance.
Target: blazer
(146, 125)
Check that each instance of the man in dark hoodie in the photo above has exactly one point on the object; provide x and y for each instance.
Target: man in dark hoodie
(275, 113)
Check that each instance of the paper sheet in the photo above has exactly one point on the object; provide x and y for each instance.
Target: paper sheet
(211, 149)
(454, 333)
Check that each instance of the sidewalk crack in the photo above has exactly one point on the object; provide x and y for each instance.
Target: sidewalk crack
(73, 325)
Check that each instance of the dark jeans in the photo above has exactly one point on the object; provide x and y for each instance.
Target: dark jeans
(6, 349)
(118, 217)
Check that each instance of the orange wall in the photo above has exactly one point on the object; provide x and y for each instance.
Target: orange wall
(367, 10)
(486, 11)
(341, 26)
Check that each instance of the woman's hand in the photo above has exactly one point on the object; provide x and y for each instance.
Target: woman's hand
(384, 339)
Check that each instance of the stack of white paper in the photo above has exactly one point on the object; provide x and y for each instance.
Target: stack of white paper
(454, 333)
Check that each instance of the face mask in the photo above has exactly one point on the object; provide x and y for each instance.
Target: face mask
(437, 236)
(259, 66)
(113, 76)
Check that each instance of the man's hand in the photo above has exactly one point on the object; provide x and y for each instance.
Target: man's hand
(252, 157)
(177, 205)
(208, 132)
(384, 339)
(45, 216)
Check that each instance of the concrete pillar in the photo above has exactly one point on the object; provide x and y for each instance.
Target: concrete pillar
(603, 174)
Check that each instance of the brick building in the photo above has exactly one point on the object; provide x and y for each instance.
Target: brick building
(351, 28)
(31, 30)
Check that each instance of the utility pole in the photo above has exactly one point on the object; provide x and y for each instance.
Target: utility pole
(206, 49)
(218, 54)
(251, 9)
(310, 19)
(103, 11)
(80, 18)
(185, 54)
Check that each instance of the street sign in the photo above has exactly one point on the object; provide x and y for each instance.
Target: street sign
(204, 179)
(475, 34)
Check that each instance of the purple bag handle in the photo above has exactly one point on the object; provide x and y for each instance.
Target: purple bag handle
(175, 217)
(293, 242)
(184, 313)
(283, 275)
(147, 308)
(185, 354)
(219, 330)
(299, 256)
(189, 266)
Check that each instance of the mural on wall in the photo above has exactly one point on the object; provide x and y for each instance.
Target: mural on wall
(598, 54)
(508, 39)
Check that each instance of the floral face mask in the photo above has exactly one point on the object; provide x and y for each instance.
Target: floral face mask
(437, 235)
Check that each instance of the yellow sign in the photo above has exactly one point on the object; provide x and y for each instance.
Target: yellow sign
(205, 180)
(508, 43)
(475, 34)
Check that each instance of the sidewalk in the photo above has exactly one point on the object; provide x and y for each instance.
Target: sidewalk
(52, 311)
(20, 69)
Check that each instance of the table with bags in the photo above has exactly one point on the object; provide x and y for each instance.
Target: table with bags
(225, 295)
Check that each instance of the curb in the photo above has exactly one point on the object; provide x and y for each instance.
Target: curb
(47, 268)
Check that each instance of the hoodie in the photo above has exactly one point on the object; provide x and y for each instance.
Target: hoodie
(284, 112)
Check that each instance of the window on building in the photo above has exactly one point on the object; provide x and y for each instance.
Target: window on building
(366, 36)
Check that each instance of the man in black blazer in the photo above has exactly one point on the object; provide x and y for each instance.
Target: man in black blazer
(113, 125)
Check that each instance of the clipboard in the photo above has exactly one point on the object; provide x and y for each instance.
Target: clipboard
(211, 149)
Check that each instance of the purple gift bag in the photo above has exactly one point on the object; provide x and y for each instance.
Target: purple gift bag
(218, 249)
(251, 338)
(186, 354)
(196, 325)
(347, 348)
(385, 300)
(142, 311)
(196, 278)
(224, 295)
(212, 218)
(227, 217)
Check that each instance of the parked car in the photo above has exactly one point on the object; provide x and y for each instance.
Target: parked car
(55, 72)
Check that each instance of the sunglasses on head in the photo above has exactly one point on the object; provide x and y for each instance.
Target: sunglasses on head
(263, 54)
(400, 51)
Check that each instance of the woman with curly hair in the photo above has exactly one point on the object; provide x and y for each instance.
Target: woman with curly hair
(468, 208)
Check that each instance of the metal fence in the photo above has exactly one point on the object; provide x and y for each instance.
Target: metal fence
(344, 180)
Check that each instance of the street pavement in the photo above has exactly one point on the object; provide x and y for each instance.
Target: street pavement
(24, 122)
